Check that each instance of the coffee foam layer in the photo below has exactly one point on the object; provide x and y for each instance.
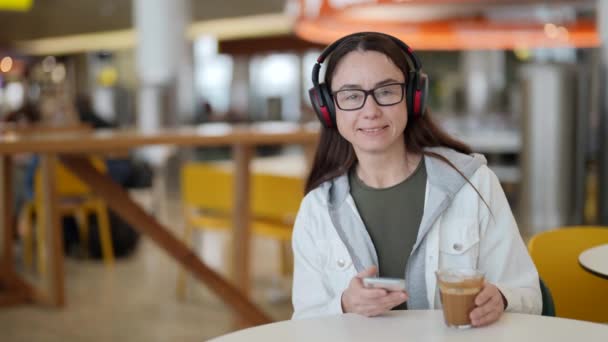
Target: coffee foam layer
(460, 291)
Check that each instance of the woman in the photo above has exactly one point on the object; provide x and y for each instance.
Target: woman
(391, 194)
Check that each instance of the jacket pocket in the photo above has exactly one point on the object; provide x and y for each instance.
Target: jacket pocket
(459, 244)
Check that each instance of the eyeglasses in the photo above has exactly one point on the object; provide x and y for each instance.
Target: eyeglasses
(386, 95)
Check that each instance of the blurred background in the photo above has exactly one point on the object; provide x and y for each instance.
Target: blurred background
(522, 82)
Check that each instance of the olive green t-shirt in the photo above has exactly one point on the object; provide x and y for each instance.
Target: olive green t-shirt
(392, 218)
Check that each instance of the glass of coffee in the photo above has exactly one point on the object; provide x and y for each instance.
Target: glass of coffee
(458, 289)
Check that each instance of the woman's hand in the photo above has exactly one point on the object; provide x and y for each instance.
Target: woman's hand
(490, 306)
(369, 302)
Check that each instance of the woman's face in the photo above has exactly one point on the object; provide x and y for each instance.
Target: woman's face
(371, 129)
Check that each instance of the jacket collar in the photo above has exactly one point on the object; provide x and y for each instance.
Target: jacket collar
(439, 174)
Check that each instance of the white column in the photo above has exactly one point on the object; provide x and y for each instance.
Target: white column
(239, 87)
(160, 35)
(149, 107)
(162, 60)
(184, 93)
(547, 160)
(483, 73)
(160, 52)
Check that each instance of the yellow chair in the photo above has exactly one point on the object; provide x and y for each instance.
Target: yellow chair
(577, 293)
(75, 199)
(207, 197)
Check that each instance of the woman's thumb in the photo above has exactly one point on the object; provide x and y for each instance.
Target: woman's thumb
(370, 272)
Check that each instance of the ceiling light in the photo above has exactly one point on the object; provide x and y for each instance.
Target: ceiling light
(48, 64)
(58, 73)
(6, 64)
(551, 30)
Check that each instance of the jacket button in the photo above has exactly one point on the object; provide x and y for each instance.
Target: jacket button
(457, 247)
(341, 263)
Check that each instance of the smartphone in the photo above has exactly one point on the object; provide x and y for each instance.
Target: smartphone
(389, 284)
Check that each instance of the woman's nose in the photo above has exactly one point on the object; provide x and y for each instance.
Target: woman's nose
(370, 108)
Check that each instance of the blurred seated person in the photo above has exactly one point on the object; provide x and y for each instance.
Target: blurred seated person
(27, 114)
(54, 108)
(202, 113)
(86, 113)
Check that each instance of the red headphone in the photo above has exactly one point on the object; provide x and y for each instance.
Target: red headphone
(415, 94)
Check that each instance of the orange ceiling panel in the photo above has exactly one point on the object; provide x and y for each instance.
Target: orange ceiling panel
(456, 35)
(473, 32)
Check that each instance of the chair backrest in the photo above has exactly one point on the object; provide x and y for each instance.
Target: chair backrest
(66, 183)
(206, 186)
(210, 187)
(577, 293)
(276, 197)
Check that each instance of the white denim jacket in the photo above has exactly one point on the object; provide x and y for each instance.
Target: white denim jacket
(331, 244)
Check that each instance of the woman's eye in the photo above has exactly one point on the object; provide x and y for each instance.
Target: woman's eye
(350, 97)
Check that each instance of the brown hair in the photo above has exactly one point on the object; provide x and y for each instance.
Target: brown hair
(335, 155)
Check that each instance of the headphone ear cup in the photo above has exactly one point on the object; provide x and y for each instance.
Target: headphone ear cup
(320, 107)
(328, 100)
(317, 103)
(416, 94)
(410, 93)
(424, 91)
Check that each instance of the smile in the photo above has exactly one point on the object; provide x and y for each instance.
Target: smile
(372, 130)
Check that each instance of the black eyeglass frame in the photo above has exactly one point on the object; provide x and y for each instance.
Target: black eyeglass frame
(370, 92)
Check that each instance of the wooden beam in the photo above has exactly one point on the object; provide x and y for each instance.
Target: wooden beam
(6, 212)
(241, 217)
(53, 230)
(120, 202)
(13, 290)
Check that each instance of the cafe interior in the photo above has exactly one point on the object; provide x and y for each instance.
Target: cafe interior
(154, 153)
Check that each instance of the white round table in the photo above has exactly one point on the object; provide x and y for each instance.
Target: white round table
(595, 260)
(421, 325)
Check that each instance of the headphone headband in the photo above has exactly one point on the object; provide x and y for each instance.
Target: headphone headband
(416, 90)
(408, 50)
